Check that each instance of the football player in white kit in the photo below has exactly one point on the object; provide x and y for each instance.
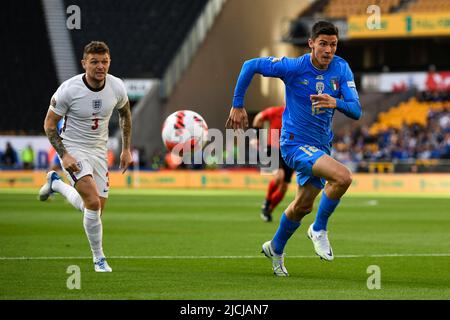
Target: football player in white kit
(86, 102)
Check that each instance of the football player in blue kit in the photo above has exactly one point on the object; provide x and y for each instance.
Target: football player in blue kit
(317, 84)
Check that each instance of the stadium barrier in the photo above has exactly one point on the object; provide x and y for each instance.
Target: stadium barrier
(241, 179)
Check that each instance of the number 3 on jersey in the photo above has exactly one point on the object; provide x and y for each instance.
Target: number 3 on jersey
(95, 125)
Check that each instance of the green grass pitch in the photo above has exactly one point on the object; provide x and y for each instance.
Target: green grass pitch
(198, 244)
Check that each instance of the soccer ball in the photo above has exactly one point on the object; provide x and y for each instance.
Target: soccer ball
(186, 130)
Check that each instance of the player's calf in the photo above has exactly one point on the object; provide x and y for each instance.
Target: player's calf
(297, 210)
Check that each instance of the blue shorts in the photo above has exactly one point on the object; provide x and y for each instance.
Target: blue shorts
(301, 157)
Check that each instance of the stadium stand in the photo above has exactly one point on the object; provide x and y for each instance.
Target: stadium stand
(146, 34)
(410, 133)
(410, 112)
(344, 8)
(145, 37)
(338, 9)
(28, 72)
(429, 6)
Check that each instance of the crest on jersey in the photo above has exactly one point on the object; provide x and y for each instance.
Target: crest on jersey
(80, 165)
(96, 105)
(320, 86)
(334, 83)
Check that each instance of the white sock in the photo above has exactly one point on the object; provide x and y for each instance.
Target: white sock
(94, 231)
(70, 193)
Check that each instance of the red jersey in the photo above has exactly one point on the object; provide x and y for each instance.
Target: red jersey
(274, 116)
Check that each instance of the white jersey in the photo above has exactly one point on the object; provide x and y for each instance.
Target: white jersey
(87, 111)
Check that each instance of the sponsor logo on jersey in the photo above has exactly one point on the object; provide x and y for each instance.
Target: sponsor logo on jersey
(304, 82)
(351, 84)
(274, 59)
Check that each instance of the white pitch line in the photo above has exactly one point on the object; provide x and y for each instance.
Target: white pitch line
(388, 255)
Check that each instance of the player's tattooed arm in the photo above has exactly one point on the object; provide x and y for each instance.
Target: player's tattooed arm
(125, 125)
(51, 130)
(56, 141)
(126, 158)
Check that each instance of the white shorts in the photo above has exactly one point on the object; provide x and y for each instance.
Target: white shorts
(90, 164)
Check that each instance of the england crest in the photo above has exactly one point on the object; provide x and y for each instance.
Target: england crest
(96, 105)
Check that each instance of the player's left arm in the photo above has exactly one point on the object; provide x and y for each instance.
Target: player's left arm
(126, 158)
(349, 104)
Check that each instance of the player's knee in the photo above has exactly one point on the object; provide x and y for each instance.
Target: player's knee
(92, 203)
(345, 179)
(302, 208)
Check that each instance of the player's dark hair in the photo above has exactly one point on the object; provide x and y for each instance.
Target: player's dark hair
(95, 47)
(324, 27)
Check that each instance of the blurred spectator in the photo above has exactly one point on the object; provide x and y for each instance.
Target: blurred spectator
(111, 158)
(141, 153)
(27, 157)
(446, 146)
(9, 157)
(410, 142)
(157, 160)
(136, 161)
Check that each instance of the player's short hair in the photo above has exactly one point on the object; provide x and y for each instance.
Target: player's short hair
(95, 47)
(324, 27)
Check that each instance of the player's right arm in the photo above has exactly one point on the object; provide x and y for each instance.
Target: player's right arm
(51, 130)
(268, 67)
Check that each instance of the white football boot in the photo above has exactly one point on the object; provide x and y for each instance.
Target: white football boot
(46, 189)
(277, 260)
(321, 243)
(100, 265)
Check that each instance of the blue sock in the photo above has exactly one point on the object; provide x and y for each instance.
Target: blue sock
(326, 208)
(285, 231)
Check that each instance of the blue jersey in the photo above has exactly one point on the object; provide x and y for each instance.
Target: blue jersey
(302, 79)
